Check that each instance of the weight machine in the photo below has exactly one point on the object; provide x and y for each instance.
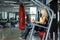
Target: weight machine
(50, 15)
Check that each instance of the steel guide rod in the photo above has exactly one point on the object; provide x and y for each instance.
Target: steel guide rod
(32, 31)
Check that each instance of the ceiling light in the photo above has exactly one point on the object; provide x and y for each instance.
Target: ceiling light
(27, 2)
(29, 5)
(9, 2)
(16, 7)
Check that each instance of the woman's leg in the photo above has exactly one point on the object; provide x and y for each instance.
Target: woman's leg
(26, 32)
(39, 28)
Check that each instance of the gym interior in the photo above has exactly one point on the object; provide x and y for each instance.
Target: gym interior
(12, 13)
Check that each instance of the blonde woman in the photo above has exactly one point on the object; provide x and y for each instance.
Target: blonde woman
(42, 21)
(43, 16)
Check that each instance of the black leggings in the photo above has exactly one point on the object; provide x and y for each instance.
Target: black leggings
(27, 30)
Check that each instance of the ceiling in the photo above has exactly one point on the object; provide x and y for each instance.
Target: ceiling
(7, 3)
(13, 4)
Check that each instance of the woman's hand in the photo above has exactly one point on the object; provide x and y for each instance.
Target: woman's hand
(33, 20)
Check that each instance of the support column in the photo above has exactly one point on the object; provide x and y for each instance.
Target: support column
(53, 6)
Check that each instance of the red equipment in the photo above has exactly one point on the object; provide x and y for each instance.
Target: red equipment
(41, 34)
(21, 17)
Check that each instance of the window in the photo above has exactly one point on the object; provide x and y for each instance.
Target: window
(11, 15)
(33, 13)
(4, 15)
(32, 10)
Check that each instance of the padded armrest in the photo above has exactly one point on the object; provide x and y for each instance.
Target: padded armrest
(40, 26)
(37, 25)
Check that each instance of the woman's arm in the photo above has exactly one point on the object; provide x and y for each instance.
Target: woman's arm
(34, 21)
(37, 22)
(41, 20)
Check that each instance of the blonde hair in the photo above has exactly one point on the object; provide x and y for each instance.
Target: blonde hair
(45, 12)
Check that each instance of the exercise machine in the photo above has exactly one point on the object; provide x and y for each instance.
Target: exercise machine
(50, 13)
(47, 28)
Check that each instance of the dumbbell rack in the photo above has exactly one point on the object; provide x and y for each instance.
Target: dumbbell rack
(51, 14)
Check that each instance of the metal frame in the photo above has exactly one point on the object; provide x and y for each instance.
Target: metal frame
(51, 17)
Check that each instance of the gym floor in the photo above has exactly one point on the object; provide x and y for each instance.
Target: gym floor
(11, 34)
